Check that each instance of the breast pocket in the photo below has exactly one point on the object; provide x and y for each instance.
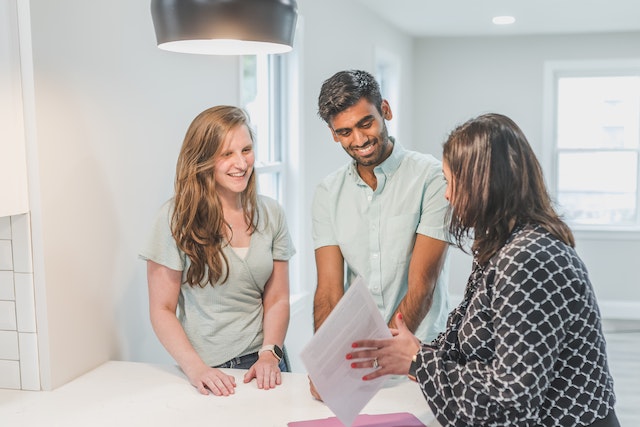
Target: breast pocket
(399, 236)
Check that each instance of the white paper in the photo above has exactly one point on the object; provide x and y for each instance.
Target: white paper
(355, 317)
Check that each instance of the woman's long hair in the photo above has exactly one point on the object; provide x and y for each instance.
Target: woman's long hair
(496, 182)
(197, 223)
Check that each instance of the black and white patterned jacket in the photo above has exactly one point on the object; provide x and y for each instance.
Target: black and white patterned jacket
(525, 347)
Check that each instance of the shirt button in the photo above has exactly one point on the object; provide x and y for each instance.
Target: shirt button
(369, 198)
(374, 255)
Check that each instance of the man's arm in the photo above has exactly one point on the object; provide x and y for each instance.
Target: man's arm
(425, 266)
(329, 290)
(330, 287)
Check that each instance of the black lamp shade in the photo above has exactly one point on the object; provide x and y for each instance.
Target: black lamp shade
(225, 27)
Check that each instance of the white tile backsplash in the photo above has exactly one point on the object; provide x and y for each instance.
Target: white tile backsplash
(9, 345)
(8, 316)
(25, 302)
(5, 227)
(29, 366)
(6, 286)
(6, 257)
(10, 374)
(21, 242)
(19, 362)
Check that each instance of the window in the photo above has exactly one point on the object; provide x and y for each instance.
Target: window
(264, 99)
(387, 66)
(270, 96)
(596, 140)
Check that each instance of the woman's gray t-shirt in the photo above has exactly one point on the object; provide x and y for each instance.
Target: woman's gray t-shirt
(224, 321)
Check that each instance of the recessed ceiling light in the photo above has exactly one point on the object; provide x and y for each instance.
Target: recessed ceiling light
(503, 20)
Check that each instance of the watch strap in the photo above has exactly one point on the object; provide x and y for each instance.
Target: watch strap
(274, 349)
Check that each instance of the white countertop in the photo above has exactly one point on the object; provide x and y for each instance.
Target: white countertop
(122, 394)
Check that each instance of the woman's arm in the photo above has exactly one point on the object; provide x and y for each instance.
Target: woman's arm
(164, 288)
(275, 301)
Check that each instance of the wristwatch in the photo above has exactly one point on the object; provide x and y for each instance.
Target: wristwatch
(413, 368)
(274, 349)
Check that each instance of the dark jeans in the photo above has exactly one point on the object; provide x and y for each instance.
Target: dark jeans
(246, 361)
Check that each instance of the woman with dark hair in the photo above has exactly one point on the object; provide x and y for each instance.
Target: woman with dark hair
(525, 346)
(218, 257)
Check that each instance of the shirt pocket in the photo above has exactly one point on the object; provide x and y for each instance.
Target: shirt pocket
(399, 236)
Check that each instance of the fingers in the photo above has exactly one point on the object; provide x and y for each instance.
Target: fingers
(269, 380)
(372, 365)
(214, 381)
(251, 374)
(267, 375)
(367, 363)
(400, 325)
(219, 385)
(314, 391)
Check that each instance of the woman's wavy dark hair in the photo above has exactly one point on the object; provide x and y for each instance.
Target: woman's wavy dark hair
(496, 183)
(197, 223)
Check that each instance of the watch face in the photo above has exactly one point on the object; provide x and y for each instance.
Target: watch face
(278, 351)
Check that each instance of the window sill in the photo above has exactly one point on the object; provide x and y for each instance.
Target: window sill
(606, 233)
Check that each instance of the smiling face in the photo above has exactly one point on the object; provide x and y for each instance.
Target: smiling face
(234, 164)
(362, 132)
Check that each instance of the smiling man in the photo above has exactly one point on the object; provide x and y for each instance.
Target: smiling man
(382, 216)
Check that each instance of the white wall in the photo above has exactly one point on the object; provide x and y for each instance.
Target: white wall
(13, 165)
(105, 121)
(458, 78)
(110, 113)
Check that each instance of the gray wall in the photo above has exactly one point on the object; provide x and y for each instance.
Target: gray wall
(458, 78)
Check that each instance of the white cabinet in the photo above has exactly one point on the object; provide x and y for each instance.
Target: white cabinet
(13, 166)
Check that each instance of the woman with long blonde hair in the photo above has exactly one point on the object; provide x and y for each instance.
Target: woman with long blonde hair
(217, 261)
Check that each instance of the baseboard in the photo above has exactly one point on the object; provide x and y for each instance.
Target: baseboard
(609, 309)
(624, 310)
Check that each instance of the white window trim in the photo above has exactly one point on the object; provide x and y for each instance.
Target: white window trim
(553, 70)
(291, 180)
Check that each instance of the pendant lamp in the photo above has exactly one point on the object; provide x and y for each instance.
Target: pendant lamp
(225, 27)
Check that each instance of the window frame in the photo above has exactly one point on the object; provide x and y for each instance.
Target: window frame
(275, 136)
(284, 130)
(554, 70)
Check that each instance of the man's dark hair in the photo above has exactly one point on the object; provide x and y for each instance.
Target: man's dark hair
(344, 89)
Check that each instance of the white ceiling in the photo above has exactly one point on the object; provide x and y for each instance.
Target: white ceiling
(422, 18)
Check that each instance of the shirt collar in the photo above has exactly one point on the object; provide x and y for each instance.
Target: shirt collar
(388, 166)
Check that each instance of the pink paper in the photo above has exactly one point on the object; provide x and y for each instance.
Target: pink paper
(399, 419)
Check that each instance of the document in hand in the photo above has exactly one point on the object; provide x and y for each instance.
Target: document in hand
(341, 387)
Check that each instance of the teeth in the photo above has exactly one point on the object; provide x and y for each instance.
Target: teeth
(364, 149)
(238, 174)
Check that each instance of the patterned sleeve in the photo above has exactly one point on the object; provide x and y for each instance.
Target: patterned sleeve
(528, 301)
